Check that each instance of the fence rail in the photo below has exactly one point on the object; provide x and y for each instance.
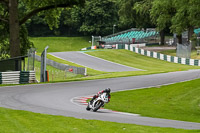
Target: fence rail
(64, 67)
(17, 77)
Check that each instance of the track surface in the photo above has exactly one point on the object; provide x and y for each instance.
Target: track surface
(60, 98)
(92, 62)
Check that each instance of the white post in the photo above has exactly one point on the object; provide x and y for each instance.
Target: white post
(114, 29)
(92, 40)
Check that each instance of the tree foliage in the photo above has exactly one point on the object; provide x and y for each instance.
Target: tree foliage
(161, 13)
(194, 12)
(15, 13)
(180, 21)
(178, 15)
(98, 17)
(132, 13)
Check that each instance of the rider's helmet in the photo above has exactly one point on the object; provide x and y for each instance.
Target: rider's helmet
(107, 90)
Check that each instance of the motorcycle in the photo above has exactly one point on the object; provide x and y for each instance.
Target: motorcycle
(98, 102)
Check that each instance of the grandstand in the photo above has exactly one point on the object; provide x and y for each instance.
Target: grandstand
(130, 36)
(197, 31)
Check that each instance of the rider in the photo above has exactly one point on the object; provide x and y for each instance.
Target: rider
(107, 90)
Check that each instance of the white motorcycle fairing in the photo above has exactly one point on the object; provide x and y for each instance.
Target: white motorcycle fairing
(98, 102)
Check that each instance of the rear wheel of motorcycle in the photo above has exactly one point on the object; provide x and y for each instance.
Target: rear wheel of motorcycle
(97, 106)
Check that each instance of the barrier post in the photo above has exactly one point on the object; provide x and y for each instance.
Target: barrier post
(43, 65)
(47, 76)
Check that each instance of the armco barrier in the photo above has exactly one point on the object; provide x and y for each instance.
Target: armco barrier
(17, 77)
(32, 78)
(12, 77)
(160, 56)
(24, 77)
(0, 78)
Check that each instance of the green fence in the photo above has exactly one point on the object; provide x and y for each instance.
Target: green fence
(13, 64)
(121, 46)
(24, 77)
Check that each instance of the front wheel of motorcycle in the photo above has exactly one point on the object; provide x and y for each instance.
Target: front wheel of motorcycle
(97, 105)
(88, 108)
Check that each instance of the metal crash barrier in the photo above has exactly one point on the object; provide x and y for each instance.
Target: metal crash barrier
(17, 77)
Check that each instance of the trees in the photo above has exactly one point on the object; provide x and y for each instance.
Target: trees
(3, 30)
(133, 15)
(14, 28)
(158, 11)
(186, 17)
(15, 13)
(127, 14)
(178, 15)
(161, 13)
(98, 17)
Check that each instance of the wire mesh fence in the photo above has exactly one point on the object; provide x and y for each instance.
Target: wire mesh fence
(183, 50)
(31, 59)
(58, 75)
(59, 71)
(95, 40)
(64, 67)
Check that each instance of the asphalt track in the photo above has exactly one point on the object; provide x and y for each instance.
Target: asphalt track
(60, 98)
(92, 62)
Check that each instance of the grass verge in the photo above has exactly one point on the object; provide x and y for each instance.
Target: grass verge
(178, 101)
(148, 64)
(58, 44)
(14, 121)
(125, 57)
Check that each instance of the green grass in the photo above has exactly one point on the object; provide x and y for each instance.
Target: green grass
(23, 121)
(125, 57)
(169, 52)
(58, 44)
(14, 121)
(180, 101)
(148, 64)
